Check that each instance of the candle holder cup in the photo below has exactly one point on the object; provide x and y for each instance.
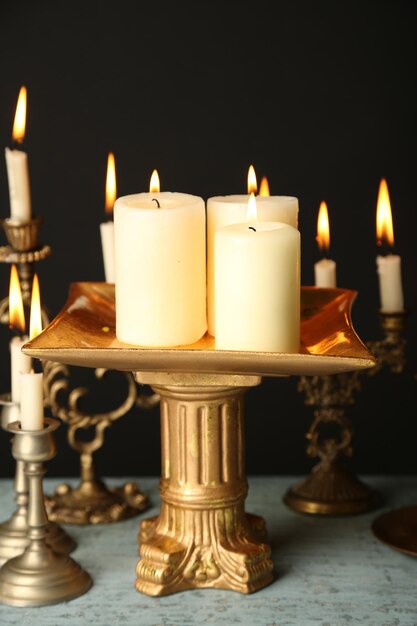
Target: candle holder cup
(24, 251)
(39, 576)
(202, 538)
(14, 531)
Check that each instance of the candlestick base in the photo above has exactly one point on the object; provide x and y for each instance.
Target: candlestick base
(39, 576)
(398, 529)
(92, 502)
(332, 489)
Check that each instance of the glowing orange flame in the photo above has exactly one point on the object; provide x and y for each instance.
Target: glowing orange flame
(264, 187)
(16, 310)
(252, 214)
(323, 228)
(35, 324)
(111, 186)
(154, 185)
(384, 226)
(252, 183)
(19, 125)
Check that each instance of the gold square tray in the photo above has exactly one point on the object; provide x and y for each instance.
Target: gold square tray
(83, 334)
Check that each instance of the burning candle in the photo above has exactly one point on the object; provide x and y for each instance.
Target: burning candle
(19, 362)
(325, 269)
(257, 283)
(160, 252)
(264, 187)
(232, 209)
(17, 166)
(31, 383)
(107, 228)
(388, 266)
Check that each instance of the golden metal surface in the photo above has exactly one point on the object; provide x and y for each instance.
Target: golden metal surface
(84, 334)
(398, 529)
(92, 502)
(202, 537)
(39, 576)
(14, 531)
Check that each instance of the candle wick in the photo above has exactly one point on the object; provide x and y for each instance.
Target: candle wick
(252, 228)
(155, 200)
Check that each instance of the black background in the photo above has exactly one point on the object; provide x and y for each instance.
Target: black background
(319, 96)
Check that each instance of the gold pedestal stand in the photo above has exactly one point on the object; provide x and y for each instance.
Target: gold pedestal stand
(202, 537)
(14, 531)
(332, 488)
(38, 576)
(92, 501)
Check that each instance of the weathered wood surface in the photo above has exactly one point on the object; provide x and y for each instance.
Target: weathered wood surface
(329, 572)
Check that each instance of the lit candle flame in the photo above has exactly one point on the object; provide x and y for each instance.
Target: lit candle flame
(323, 228)
(252, 183)
(252, 215)
(264, 187)
(35, 324)
(154, 185)
(384, 226)
(111, 186)
(16, 310)
(19, 125)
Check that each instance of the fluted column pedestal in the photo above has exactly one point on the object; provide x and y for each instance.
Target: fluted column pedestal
(202, 537)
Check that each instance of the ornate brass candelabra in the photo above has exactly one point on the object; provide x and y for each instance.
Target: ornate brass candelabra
(39, 575)
(332, 488)
(91, 502)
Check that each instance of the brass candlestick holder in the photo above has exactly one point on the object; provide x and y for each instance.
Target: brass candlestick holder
(202, 537)
(92, 501)
(332, 488)
(14, 531)
(38, 576)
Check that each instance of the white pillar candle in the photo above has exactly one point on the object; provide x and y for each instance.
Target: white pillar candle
(20, 363)
(232, 209)
(160, 258)
(390, 284)
(257, 282)
(325, 273)
(31, 401)
(107, 246)
(19, 188)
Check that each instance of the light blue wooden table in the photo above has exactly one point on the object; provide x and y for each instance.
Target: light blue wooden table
(329, 572)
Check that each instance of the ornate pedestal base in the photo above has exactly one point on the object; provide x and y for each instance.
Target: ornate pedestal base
(92, 502)
(331, 489)
(202, 537)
